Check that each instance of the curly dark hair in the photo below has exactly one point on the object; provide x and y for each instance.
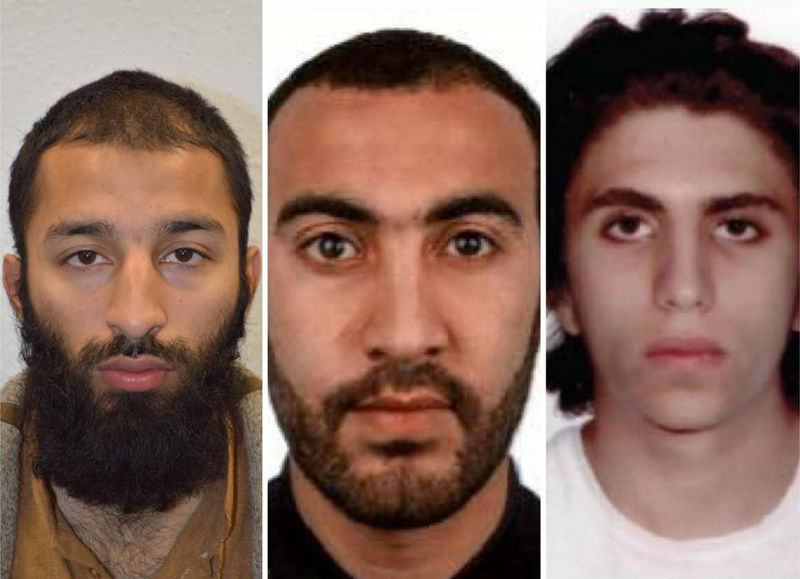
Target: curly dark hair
(706, 63)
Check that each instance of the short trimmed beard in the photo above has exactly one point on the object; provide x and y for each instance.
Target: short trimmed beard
(133, 451)
(400, 498)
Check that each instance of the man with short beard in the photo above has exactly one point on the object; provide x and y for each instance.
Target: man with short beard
(131, 441)
(403, 312)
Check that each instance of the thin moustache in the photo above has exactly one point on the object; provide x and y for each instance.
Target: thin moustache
(417, 399)
(400, 378)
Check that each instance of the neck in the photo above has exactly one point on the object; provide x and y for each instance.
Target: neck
(438, 550)
(129, 545)
(700, 483)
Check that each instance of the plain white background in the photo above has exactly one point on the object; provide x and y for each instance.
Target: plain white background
(513, 37)
(50, 48)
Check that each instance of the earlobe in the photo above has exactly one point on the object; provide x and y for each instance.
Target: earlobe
(12, 278)
(564, 308)
(252, 271)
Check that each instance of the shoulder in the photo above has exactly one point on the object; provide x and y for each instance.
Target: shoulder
(11, 400)
(564, 449)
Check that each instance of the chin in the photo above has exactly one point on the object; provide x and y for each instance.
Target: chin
(688, 411)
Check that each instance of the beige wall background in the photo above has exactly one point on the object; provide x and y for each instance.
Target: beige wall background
(50, 47)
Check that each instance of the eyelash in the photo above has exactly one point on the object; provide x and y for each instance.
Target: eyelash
(758, 234)
(313, 249)
(180, 264)
(489, 244)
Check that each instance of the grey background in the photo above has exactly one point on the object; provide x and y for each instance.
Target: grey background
(50, 47)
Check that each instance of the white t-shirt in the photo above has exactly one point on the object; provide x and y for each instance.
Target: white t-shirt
(588, 537)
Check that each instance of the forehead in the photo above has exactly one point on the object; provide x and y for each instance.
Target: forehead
(399, 148)
(127, 186)
(679, 155)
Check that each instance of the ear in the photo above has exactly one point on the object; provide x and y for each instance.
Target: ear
(564, 307)
(252, 271)
(12, 278)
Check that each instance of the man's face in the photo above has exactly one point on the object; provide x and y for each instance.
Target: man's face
(125, 242)
(682, 259)
(131, 315)
(403, 290)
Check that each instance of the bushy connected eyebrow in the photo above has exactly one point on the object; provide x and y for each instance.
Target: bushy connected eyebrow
(331, 205)
(105, 230)
(175, 226)
(95, 228)
(486, 203)
(740, 201)
(627, 197)
(624, 197)
(446, 210)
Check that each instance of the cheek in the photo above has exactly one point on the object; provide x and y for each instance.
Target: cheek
(78, 314)
(609, 285)
(310, 319)
(490, 318)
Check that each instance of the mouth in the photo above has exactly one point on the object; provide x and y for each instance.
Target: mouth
(407, 415)
(134, 374)
(688, 351)
(414, 401)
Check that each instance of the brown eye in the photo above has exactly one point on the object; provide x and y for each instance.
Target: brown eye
(738, 230)
(185, 256)
(628, 228)
(86, 258)
(330, 247)
(470, 244)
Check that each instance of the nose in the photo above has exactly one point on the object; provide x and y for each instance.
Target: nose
(683, 280)
(135, 308)
(404, 319)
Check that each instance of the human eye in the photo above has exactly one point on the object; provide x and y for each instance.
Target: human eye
(738, 229)
(330, 248)
(86, 258)
(628, 228)
(184, 256)
(470, 244)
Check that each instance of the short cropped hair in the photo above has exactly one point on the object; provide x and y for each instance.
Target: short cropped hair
(406, 59)
(706, 64)
(134, 109)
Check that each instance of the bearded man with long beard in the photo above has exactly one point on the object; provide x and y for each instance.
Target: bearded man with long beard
(131, 440)
(403, 312)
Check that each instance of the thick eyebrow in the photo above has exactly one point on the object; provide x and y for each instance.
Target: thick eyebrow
(97, 228)
(105, 230)
(331, 205)
(182, 225)
(625, 197)
(741, 200)
(480, 203)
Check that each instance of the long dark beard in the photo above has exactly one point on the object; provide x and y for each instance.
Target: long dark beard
(400, 498)
(135, 451)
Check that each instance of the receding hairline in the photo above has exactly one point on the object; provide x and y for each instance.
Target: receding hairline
(345, 91)
(36, 182)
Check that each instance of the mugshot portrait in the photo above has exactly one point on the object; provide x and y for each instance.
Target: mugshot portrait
(673, 287)
(149, 172)
(366, 376)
